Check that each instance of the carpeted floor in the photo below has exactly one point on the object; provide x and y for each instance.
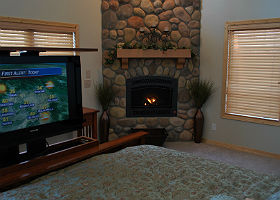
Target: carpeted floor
(254, 162)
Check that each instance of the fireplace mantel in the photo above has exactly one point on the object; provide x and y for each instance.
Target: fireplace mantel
(179, 54)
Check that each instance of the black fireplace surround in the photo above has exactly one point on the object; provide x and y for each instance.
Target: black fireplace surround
(151, 96)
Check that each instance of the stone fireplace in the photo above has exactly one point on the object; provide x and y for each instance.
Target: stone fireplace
(122, 20)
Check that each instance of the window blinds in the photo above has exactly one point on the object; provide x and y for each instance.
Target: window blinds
(35, 33)
(61, 40)
(253, 73)
(10, 38)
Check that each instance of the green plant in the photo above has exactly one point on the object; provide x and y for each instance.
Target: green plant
(111, 57)
(105, 95)
(127, 45)
(152, 42)
(200, 91)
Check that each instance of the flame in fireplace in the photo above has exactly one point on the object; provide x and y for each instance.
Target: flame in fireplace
(150, 101)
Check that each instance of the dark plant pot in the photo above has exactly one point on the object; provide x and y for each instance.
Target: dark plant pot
(104, 125)
(198, 125)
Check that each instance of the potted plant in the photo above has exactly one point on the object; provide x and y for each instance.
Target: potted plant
(200, 91)
(105, 95)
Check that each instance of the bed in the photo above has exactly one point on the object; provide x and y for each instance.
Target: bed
(149, 172)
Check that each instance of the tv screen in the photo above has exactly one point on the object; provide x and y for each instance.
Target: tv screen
(32, 95)
(40, 96)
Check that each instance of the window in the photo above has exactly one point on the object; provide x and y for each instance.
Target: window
(36, 33)
(251, 82)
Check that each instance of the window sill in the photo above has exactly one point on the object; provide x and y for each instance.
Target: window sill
(250, 119)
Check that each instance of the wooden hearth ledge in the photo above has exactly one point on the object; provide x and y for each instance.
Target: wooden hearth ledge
(179, 54)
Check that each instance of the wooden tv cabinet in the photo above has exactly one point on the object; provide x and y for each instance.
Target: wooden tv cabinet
(18, 174)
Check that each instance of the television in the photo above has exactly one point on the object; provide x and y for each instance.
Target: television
(40, 97)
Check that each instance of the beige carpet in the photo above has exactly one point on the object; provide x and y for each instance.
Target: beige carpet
(254, 162)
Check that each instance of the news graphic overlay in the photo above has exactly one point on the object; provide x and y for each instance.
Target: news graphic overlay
(32, 95)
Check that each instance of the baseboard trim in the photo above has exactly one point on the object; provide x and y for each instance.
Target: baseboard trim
(240, 148)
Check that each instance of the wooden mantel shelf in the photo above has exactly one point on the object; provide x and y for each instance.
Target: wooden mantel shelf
(179, 54)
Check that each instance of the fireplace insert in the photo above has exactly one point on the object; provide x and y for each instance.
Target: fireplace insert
(151, 96)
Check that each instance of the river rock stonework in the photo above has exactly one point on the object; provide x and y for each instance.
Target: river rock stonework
(121, 21)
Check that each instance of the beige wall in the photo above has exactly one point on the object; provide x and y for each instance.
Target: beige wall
(86, 13)
(214, 15)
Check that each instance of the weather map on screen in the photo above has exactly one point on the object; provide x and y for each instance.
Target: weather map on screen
(32, 95)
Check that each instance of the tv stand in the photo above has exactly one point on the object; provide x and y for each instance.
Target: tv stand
(9, 155)
(61, 155)
(36, 147)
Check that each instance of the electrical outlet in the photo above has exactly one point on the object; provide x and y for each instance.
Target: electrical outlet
(213, 127)
(87, 83)
(88, 74)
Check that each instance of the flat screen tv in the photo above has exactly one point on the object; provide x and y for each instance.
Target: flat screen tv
(40, 97)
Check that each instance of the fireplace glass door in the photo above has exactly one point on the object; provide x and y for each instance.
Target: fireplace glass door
(151, 96)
